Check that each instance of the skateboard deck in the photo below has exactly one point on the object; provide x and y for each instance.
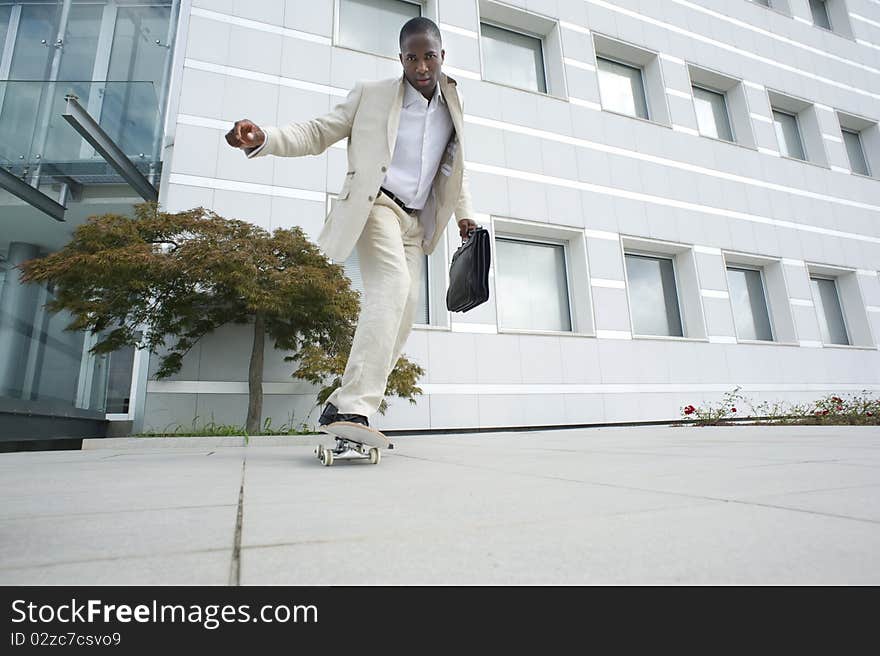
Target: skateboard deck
(352, 441)
(353, 432)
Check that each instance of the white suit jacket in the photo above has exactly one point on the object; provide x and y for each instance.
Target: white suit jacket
(369, 117)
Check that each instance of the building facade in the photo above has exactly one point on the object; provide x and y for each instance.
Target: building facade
(682, 196)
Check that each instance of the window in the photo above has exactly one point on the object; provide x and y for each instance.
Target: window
(512, 58)
(712, 117)
(788, 135)
(374, 25)
(820, 14)
(749, 303)
(828, 310)
(766, 3)
(532, 285)
(621, 88)
(855, 152)
(653, 295)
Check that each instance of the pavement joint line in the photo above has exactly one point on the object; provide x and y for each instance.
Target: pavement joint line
(235, 565)
(666, 492)
(466, 527)
(83, 561)
(111, 512)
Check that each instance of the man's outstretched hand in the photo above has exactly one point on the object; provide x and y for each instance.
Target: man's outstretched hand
(465, 226)
(245, 134)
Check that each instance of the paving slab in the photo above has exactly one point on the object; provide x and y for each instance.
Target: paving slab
(627, 504)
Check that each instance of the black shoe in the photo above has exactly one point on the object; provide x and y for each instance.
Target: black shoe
(331, 415)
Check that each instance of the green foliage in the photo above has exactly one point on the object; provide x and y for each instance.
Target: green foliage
(859, 410)
(179, 276)
(213, 429)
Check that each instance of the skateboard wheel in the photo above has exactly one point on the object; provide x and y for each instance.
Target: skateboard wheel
(375, 456)
(326, 457)
(319, 451)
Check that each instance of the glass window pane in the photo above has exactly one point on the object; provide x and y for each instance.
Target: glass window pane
(712, 114)
(5, 12)
(30, 61)
(828, 311)
(621, 88)
(788, 135)
(512, 58)
(857, 160)
(129, 111)
(653, 296)
(532, 286)
(820, 14)
(749, 304)
(374, 25)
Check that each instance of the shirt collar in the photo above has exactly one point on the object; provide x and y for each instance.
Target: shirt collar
(412, 95)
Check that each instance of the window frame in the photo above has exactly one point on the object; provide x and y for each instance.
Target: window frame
(858, 136)
(515, 30)
(675, 277)
(830, 27)
(641, 70)
(337, 12)
(767, 306)
(846, 327)
(723, 94)
(506, 235)
(800, 135)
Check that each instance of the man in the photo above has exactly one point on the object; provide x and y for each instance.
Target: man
(405, 179)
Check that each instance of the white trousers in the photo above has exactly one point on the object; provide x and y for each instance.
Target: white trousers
(391, 259)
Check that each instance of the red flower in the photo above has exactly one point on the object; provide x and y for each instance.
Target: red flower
(688, 410)
(733, 409)
(870, 414)
(837, 399)
(824, 412)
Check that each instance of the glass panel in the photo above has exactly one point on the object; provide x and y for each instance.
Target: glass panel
(374, 25)
(77, 63)
(788, 135)
(749, 304)
(857, 160)
(30, 61)
(820, 14)
(532, 286)
(5, 12)
(127, 113)
(512, 58)
(119, 380)
(621, 88)
(828, 311)
(652, 295)
(712, 114)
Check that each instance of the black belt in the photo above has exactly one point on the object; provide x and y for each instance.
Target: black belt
(406, 209)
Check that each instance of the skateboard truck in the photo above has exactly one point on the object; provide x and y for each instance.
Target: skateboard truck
(348, 450)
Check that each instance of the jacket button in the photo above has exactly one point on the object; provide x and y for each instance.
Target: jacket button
(370, 198)
(384, 168)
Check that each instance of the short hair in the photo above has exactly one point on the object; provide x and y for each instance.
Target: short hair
(420, 25)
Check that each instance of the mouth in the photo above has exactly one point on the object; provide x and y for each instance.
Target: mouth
(424, 81)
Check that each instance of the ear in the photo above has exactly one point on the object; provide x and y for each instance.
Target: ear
(400, 57)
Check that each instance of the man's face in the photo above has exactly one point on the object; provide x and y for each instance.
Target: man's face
(422, 59)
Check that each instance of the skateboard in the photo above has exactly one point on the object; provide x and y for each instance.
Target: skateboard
(352, 441)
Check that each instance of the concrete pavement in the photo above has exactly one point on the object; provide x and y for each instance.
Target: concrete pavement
(621, 505)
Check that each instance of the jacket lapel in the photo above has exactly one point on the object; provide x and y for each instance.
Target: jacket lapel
(394, 116)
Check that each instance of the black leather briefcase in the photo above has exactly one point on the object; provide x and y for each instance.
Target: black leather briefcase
(469, 273)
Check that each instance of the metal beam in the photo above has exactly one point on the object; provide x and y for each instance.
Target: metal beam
(83, 123)
(18, 187)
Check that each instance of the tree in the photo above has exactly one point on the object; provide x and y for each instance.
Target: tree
(182, 275)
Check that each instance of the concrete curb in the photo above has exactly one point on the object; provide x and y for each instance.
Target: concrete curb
(196, 442)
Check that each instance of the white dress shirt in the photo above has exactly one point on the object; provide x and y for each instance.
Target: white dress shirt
(422, 136)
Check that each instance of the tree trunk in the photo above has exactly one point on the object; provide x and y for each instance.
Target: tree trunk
(255, 377)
